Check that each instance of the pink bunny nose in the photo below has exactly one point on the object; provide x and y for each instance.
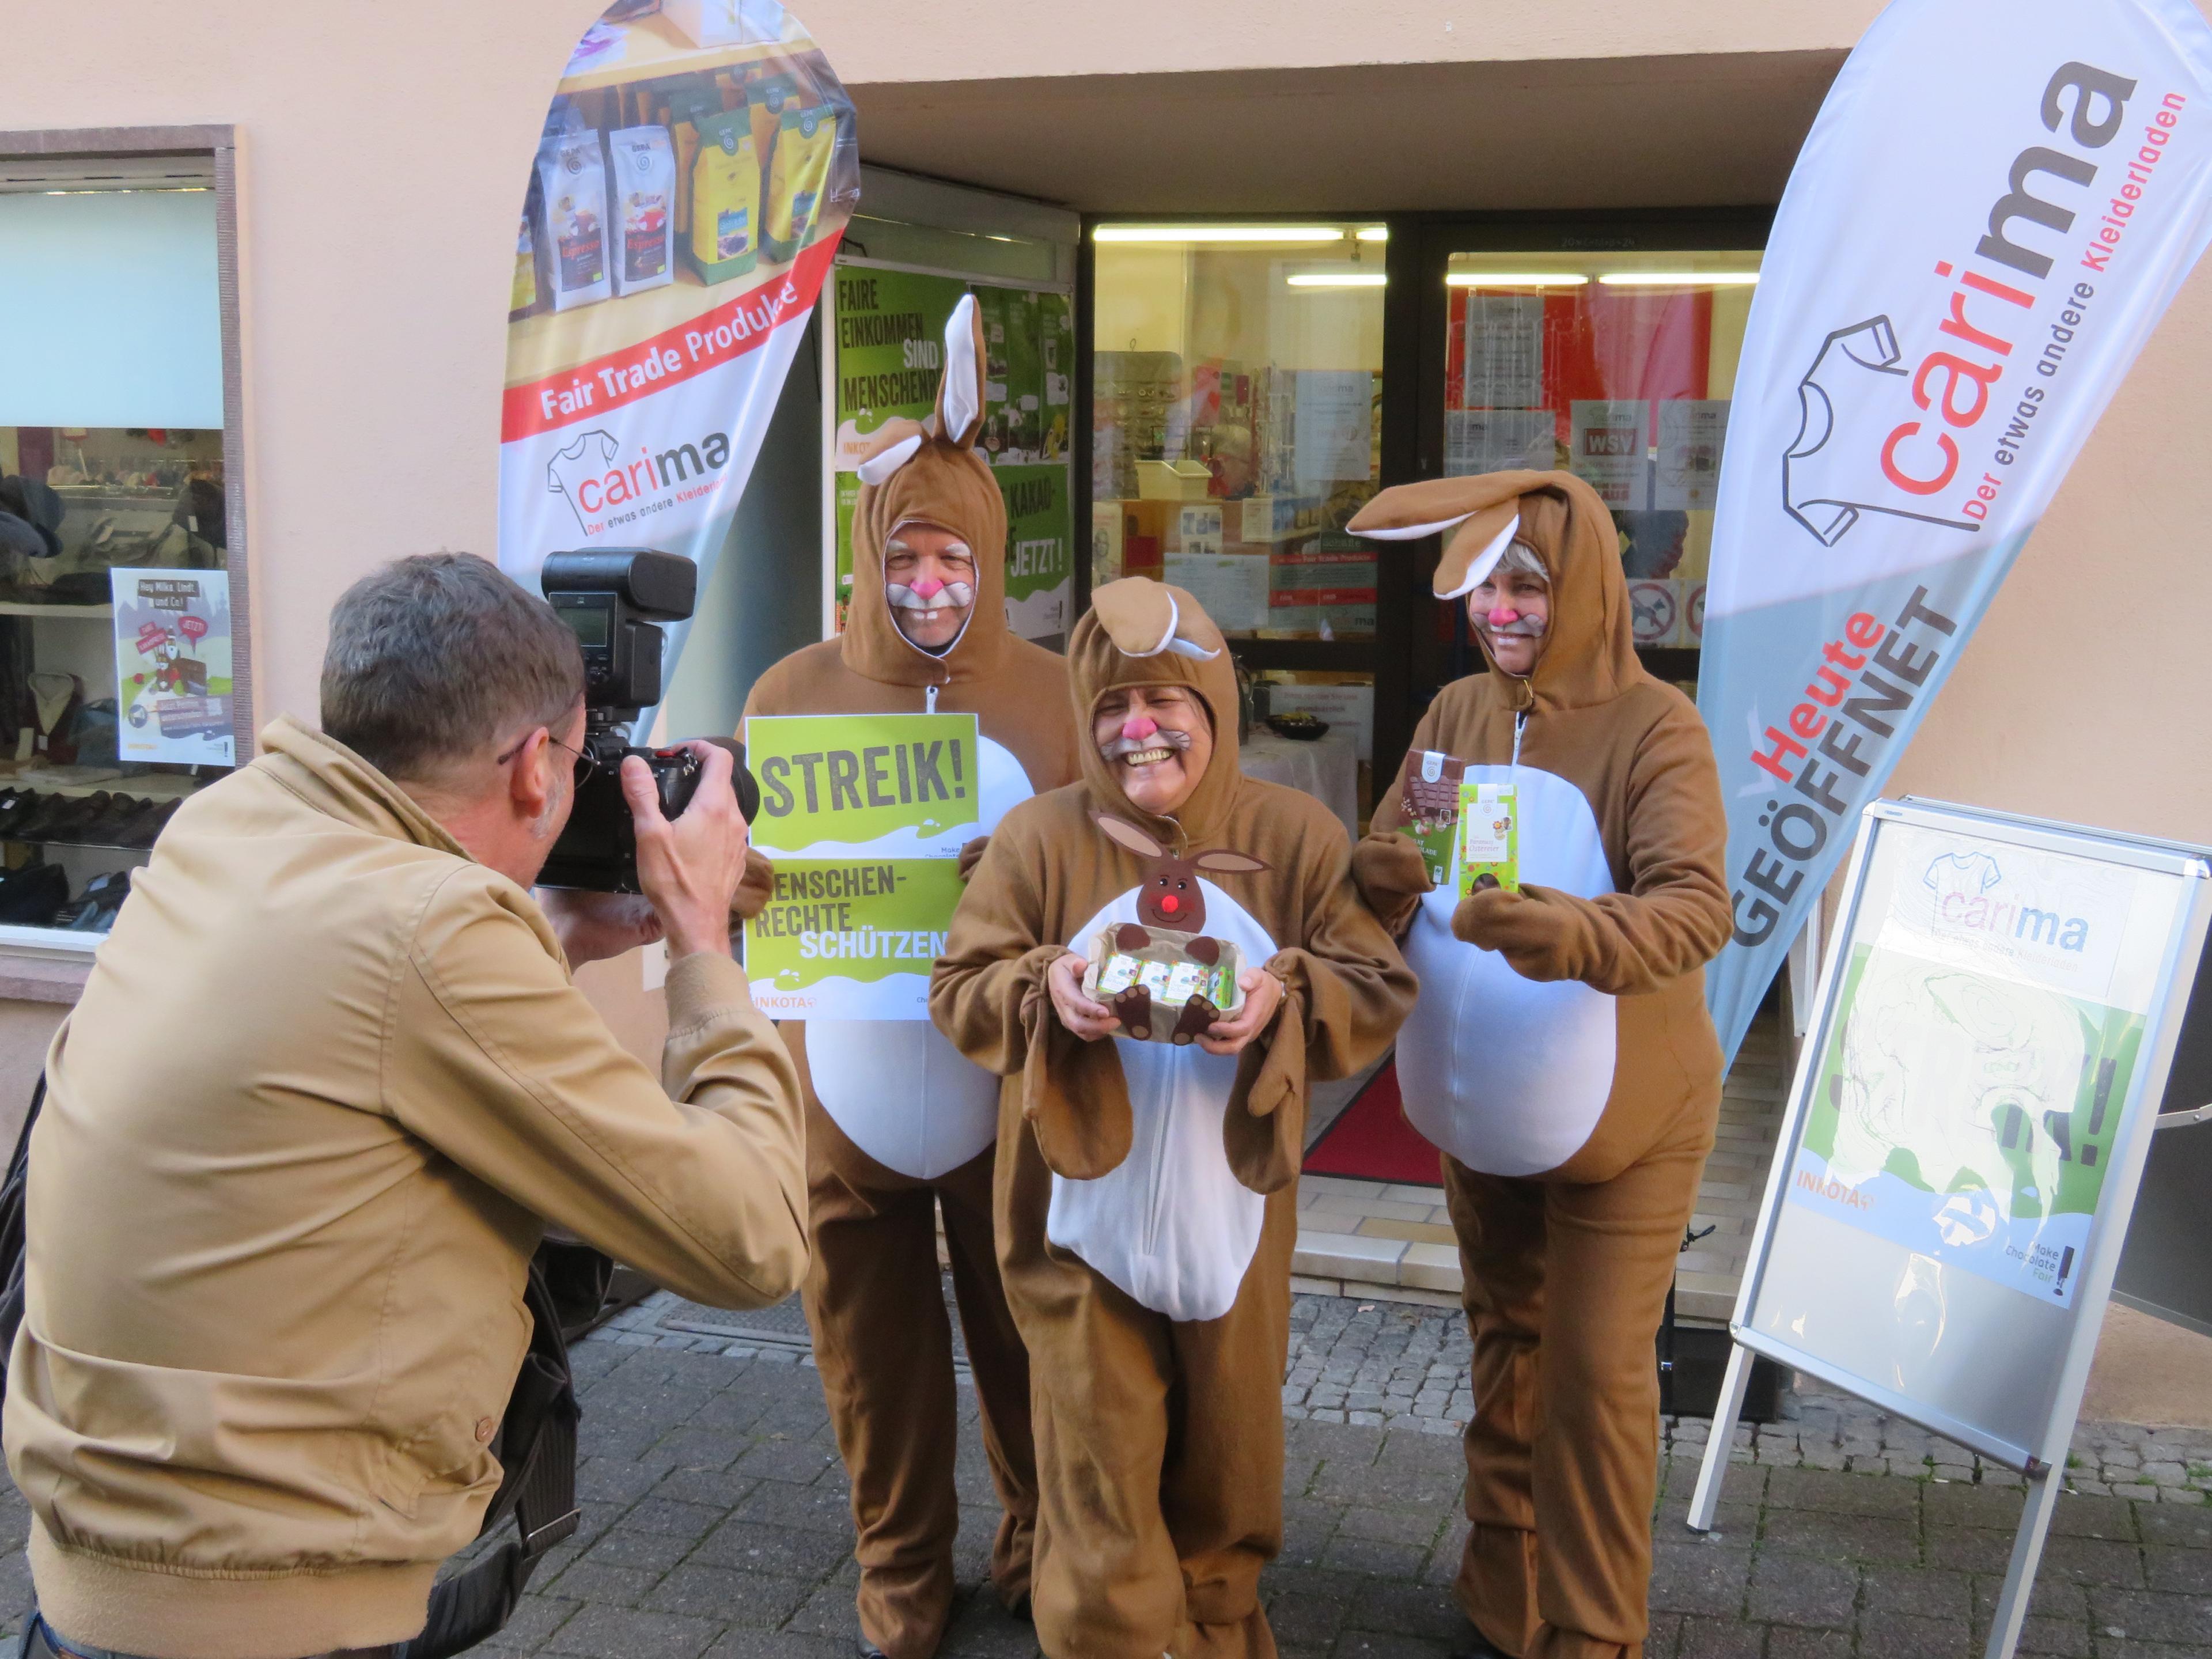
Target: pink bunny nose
(1502, 618)
(928, 589)
(1138, 726)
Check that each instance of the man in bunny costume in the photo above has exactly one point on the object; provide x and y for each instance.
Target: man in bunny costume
(1560, 1053)
(898, 1125)
(1147, 1193)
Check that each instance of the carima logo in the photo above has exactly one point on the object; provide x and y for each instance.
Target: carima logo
(604, 486)
(1969, 898)
(1855, 380)
(1878, 434)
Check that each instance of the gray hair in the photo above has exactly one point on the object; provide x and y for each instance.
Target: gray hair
(433, 659)
(1521, 555)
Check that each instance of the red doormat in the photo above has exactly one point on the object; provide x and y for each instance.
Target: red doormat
(1372, 1141)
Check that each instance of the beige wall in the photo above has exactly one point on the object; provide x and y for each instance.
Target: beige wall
(954, 40)
(373, 140)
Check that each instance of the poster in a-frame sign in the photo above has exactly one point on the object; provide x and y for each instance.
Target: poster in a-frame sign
(1965, 1133)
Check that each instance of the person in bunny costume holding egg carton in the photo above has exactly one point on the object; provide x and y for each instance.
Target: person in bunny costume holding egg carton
(1156, 959)
(1560, 1054)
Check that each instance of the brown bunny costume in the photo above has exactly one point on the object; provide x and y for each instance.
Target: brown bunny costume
(1562, 1057)
(1146, 1196)
(898, 1125)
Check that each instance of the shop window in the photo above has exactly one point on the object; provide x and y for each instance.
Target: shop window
(1236, 426)
(1617, 368)
(119, 694)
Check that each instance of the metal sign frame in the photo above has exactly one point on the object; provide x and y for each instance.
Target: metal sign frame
(2043, 1463)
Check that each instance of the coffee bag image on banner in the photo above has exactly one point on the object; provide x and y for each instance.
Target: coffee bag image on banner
(695, 171)
(173, 679)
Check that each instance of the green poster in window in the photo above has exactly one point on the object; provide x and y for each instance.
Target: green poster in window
(1040, 558)
(889, 346)
(863, 816)
(1056, 350)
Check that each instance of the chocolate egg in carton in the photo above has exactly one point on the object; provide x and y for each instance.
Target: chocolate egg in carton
(1163, 986)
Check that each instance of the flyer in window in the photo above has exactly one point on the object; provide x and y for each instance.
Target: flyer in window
(173, 680)
(1692, 432)
(1611, 436)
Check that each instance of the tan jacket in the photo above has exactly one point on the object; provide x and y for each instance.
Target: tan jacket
(326, 1076)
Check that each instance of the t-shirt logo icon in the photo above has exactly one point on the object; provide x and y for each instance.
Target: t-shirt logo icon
(1852, 400)
(573, 473)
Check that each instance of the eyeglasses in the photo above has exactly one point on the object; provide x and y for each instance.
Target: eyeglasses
(585, 764)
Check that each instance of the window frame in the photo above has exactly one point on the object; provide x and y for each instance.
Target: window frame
(140, 152)
(1414, 318)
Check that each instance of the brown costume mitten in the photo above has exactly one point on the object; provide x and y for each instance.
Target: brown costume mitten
(1073, 1094)
(971, 855)
(1264, 1131)
(1523, 927)
(755, 888)
(1387, 868)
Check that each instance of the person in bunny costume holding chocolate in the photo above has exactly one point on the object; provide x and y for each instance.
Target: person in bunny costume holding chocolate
(1149, 1150)
(899, 1126)
(1560, 1054)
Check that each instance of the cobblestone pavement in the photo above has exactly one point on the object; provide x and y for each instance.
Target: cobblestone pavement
(716, 1522)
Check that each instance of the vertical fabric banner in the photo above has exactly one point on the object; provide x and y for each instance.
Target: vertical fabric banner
(695, 171)
(1990, 215)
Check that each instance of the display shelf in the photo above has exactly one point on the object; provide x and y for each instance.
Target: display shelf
(653, 47)
(82, 612)
(544, 343)
(72, 840)
(152, 787)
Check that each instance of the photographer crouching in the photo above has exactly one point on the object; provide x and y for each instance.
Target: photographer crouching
(328, 1082)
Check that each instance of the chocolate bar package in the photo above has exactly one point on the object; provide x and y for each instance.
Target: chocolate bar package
(1164, 967)
(1433, 810)
(1490, 837)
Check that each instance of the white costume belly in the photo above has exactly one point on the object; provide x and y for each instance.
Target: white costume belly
(898, 1088)
(1508, 1075)
(1172, 1225)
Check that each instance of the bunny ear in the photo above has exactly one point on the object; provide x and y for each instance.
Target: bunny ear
(1129, 836)
(1144, 618)
(896, 445)
(1229, 863)
(1485, 508)
(1472, 555)
(960, 397)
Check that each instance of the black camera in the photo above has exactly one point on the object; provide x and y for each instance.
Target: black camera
(614, 600)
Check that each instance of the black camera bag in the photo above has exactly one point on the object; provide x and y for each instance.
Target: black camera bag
(536, 1444)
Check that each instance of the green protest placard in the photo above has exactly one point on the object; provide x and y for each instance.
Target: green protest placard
(901, 786)
(864, 816)
(851, 938)
(889, 335)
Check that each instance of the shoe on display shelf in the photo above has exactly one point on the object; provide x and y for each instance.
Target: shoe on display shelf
(93, 910)
(30, 896)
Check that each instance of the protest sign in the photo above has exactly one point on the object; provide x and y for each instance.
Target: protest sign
(864, 816)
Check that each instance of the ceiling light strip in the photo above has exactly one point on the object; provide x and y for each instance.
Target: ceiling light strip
(1516, 279)
(1185, 234)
